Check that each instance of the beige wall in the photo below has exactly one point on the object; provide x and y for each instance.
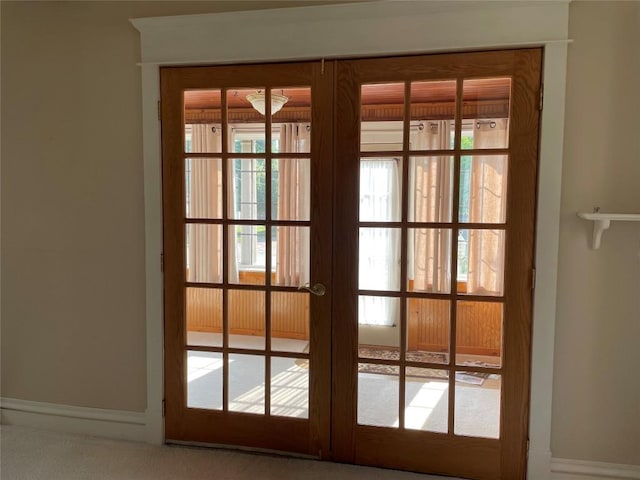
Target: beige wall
(596, 399)
(73, 327)
(73, 289)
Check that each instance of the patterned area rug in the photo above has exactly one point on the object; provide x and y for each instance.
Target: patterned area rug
(390, 353)
(373, 353)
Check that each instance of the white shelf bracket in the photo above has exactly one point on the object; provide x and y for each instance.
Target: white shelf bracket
(599, 226)
(602, 221)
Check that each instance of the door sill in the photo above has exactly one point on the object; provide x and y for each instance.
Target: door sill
(258, 451)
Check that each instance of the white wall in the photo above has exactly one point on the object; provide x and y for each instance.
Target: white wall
(596, 396)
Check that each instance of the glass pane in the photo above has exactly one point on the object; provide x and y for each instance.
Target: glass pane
(426, 399)
(379, 327)
(246, 319)
(290, 188)
(380, 189)
(429, 260)
(291, 255)
(204, 253)
(433, 111)
(202, 118)
(481, 262)
(477, 411)
(204, 380)
(247, 254)
(246, 383)
(483, 189)
(246, 120)
(430, 189)
(479, 334)
(290, 387)
(378, 395)
(379, 259)
(247, 193)
(203, 187)
(382, 113)
(429, 330)
(204, 316)
(486, 113)
(290, 322)
(292, 123)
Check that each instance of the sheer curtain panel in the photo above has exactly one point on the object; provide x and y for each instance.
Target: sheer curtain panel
(292, 265)
(432, 181)
(488, 205)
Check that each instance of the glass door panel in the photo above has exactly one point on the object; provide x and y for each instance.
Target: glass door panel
(429, 330)
(289, 387)
(202, 121)
(433, 111)
(204, 196)
(381, 126)
(204, 377)
(426, 399)
(487, 103)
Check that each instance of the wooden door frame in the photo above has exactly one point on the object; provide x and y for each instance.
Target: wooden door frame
(365, 29)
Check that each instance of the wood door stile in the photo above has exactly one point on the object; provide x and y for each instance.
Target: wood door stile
(345, 268)
(520, 255)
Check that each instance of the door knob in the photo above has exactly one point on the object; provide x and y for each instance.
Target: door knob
(318, 289)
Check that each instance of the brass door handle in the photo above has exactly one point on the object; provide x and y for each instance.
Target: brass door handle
(318, 289)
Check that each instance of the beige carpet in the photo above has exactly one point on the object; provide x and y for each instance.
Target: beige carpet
(29, 454)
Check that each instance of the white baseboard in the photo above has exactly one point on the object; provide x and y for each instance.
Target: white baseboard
(564, 469)
(127, 425)
(539, 464)
(95, 422)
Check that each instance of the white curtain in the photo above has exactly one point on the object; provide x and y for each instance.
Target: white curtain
(205, 196)
(378, 256)
(293, 256)
(432, 182)
(487, 205)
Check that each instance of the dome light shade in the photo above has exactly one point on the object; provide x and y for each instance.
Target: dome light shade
(258, 101)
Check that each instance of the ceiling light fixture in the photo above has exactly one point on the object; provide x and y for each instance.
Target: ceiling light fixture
(258, 101)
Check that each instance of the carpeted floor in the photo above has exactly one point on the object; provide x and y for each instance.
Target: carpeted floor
(29, 454)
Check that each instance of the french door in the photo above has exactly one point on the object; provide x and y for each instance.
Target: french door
(247, 222)
(348, 258)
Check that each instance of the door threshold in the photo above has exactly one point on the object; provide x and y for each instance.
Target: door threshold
(256, 451)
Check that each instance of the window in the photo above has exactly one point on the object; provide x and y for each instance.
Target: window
(250, 197)
(463, 213)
